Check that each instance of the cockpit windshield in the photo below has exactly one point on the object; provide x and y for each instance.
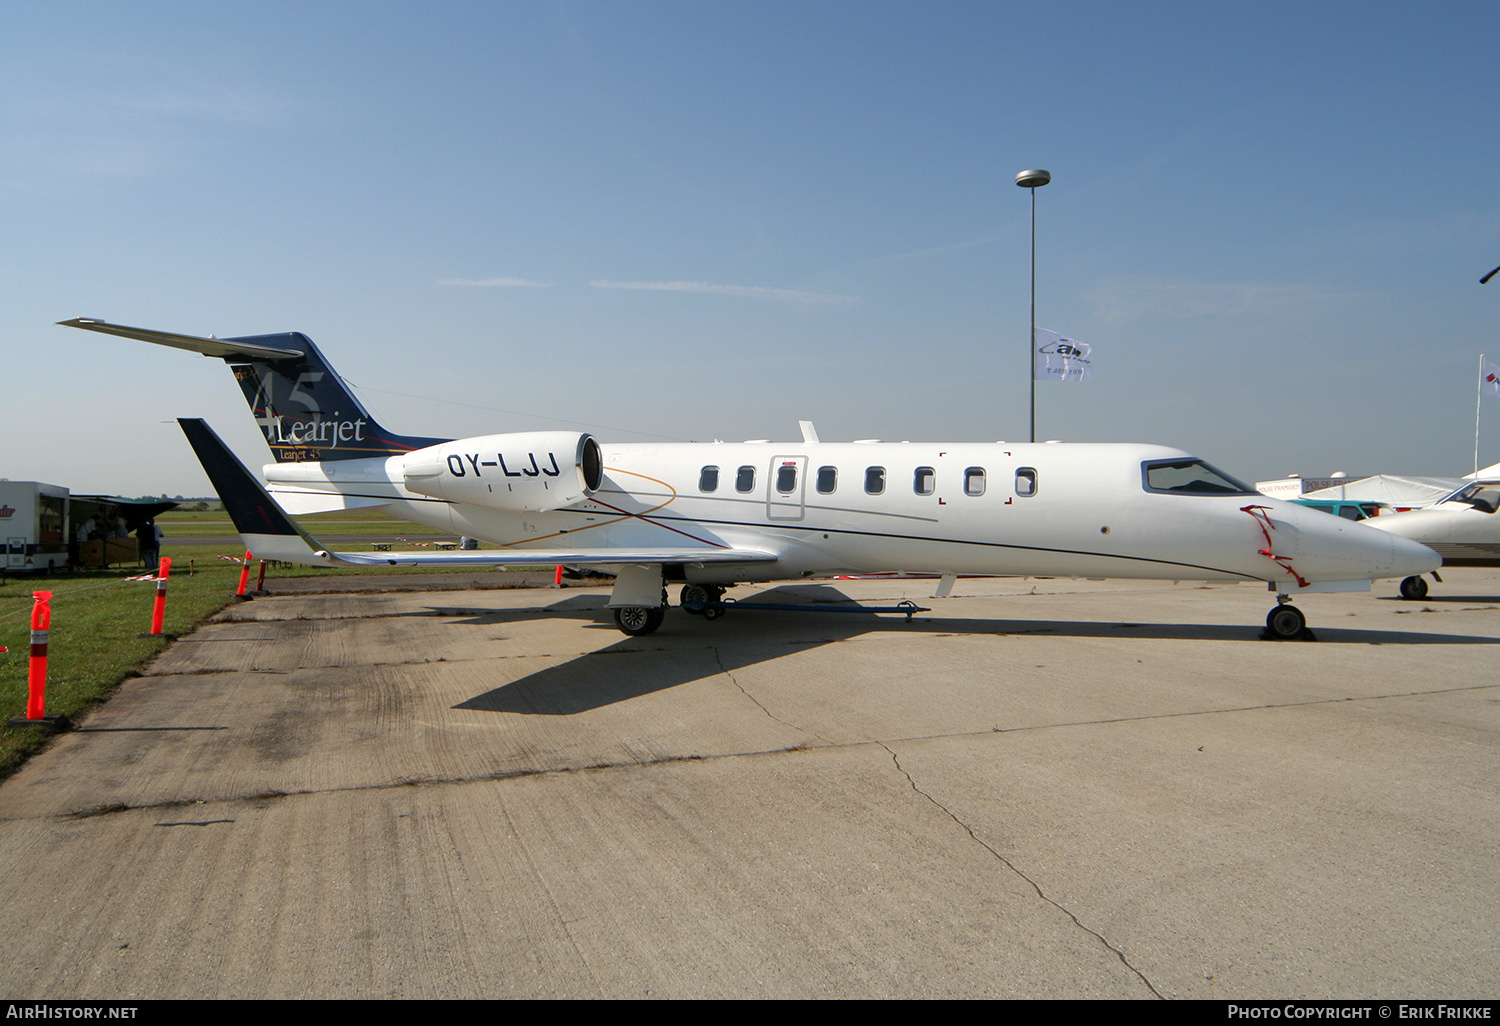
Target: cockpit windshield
(1483, 497)
(1190, 477)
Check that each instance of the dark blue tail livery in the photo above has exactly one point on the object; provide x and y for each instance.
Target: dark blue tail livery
(305, 410)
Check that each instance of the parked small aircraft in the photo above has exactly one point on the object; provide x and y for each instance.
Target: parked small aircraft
(1462, 528)
(713, 514)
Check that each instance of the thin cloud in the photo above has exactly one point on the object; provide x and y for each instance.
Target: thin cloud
(496, 283)
(708, 289)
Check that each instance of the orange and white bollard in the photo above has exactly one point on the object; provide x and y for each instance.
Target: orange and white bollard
(557, 577)
(160, 611)
(244, 574)
(36, 678)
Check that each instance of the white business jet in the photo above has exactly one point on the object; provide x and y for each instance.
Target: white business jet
(710, 515)
(1462, 528)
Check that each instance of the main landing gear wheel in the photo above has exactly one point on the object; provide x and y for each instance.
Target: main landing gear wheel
(693, 594)
(1286, 623)
(1414, 589)
(705, 596)
(639, 620)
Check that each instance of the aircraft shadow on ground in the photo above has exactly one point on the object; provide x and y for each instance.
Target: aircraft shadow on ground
(689, 648)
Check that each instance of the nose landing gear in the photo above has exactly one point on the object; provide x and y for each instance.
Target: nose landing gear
(1286, 623)
(1414, 589)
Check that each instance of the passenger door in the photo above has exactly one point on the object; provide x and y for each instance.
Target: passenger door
(786, 486)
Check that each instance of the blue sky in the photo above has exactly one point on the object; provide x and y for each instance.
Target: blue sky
(709, 220)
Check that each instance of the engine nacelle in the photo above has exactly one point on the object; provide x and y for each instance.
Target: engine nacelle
(526, 471)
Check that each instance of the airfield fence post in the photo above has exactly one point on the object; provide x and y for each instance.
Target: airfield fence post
(159, 611)
(36, 678)
(244, 575)
(260, 578)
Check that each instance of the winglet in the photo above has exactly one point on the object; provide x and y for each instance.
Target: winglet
(266, 530)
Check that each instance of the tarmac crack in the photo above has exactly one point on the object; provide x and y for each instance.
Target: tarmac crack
(719, 658)
(896, 760)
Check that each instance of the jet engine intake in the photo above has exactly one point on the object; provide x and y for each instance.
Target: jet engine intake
(527, 471)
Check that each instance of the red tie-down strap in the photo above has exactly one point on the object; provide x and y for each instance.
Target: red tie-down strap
(1263, 521)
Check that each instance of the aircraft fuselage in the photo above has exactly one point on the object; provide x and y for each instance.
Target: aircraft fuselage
(1054, 509)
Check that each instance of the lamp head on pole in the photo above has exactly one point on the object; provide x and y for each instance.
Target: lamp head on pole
(1033, 179)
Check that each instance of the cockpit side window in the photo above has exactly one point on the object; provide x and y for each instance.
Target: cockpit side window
(1190, 477)
(1483, 497)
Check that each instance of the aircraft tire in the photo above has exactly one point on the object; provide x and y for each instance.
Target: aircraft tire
(1285, 623)
(1414, 589)
(639, 620)
(694, 593)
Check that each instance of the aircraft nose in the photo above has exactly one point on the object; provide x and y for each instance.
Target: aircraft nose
(1410, 558)
(1332, 548)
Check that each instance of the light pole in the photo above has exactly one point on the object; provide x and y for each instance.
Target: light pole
(1033, 179)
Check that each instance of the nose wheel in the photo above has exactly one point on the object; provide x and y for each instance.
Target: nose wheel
(1286, 623)
(1414, 589)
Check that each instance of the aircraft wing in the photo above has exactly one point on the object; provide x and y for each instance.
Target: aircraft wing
(270, 534)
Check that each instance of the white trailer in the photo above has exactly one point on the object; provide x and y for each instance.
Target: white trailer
(34, 525)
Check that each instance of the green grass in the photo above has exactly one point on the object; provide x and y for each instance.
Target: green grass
(93, 643)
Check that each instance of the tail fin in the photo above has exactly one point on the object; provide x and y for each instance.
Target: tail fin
(301, 404)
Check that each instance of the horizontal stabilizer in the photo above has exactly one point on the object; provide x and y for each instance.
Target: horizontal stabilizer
(192, 343)
(270, 534)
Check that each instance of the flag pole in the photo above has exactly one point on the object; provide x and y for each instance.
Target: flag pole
(1478, 391)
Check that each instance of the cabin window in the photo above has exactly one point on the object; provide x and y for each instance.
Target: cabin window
(874, 480)
(786, 478)
(922, 481)
(974, 481)
(1190, 477)
(708, 479)
(744, 481)
(828, 479)
(1026, 481)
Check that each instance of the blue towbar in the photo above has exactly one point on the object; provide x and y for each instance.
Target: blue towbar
(714, 610)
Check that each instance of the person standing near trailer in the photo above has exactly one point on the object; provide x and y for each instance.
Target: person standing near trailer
(148, 538)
